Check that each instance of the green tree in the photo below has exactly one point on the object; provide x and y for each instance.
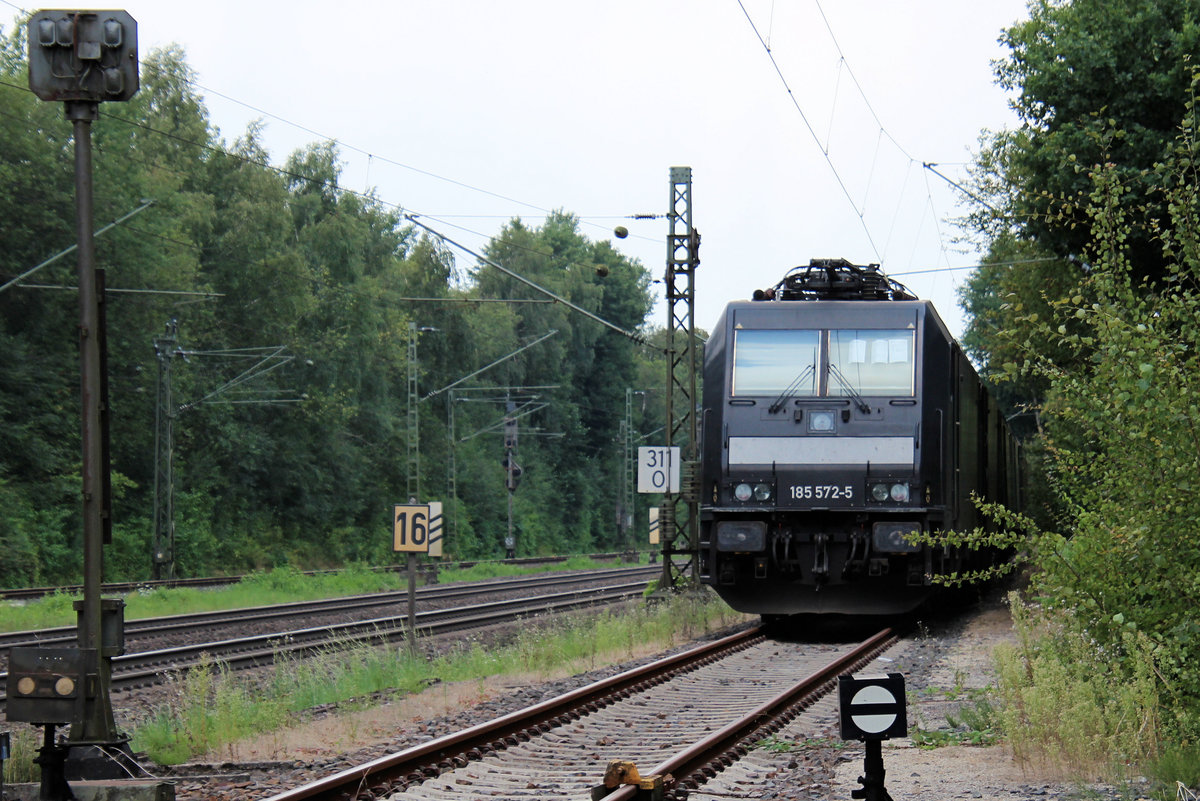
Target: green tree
(287, 257)
(1080, 69)
(1118, 572)
(1095, 83)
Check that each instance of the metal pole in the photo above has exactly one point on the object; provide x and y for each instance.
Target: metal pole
(510, 544)
(451, 467)
(98, 724)
(626, 503)
(510, 467)
(412, 604)
(163, 562)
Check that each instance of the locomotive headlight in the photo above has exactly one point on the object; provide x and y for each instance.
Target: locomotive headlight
(879, 492)
(738, 535)
(895, 537)
(820, 421)
(899, 493)
(762, 492)
(743, 492)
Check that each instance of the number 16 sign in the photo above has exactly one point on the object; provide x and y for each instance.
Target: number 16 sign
(410, 528)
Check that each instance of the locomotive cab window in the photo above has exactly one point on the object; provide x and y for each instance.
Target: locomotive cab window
(871, 362)
(789, 363)
(769, 361)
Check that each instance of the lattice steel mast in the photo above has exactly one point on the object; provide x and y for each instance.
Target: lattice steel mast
(680, 518)
(412, 485)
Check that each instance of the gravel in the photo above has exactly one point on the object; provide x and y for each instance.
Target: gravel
(947, 665)
(943, 658)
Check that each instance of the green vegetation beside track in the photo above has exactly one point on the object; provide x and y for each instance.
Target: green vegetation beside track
(282, 585)
(209, 708)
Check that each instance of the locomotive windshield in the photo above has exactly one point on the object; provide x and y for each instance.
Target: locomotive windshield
(874, 362)
(837, 362)
(770, 361)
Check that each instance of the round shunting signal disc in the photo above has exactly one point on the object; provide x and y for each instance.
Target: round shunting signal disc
(873, 694)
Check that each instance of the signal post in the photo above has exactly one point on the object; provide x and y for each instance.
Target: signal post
(416, 528)
(82, 58)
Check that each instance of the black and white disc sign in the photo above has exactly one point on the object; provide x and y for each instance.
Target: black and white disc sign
(872, 707)
(658, 469)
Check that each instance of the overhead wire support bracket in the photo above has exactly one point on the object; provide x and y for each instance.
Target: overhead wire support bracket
(931, 165)
(542, 338)
(260, 368)
(638, 338)
(67, 251)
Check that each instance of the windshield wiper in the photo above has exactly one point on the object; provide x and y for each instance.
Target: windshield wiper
(790, 390)
(862, 405)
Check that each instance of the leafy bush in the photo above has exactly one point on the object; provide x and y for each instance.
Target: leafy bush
(1107, 667)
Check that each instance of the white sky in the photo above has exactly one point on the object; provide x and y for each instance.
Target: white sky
(585, 106)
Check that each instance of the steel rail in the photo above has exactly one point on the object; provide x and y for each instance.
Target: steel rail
(697, 763)
(414, 764)
(26, 593)
(686, 770)
(196, 620)
(148, 667)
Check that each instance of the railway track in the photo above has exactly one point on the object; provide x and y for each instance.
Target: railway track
(158, 627)
(120, 588)
(148, 667)
(683, 719)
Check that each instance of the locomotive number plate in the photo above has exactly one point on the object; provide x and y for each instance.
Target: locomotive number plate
(822, 492)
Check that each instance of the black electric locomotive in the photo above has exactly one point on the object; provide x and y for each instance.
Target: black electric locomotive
(839, 416)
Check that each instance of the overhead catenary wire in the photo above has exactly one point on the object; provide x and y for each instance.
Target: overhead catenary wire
(366, 193)
(636, 337)
(812, 131)
(372, 157)
(407, 215)
(976, 266)
(266, 165)
(445, 220)
(842, 61)
(439, 218)
(825, 146)
(410, 217)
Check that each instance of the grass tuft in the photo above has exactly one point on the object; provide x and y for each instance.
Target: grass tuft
(1061, 707)
(210, 709)
(281, 585)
